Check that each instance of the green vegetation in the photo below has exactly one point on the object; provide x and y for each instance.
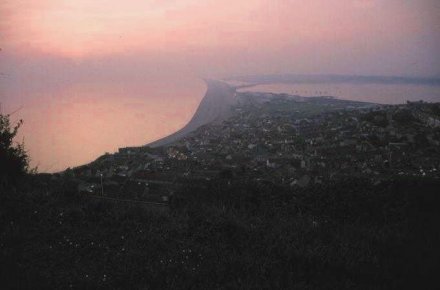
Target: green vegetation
(404, 117)
(13, 157)
(377, 118)
(348, 234)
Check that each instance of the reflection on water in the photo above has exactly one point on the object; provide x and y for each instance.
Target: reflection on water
(74, 124)
(375, 93)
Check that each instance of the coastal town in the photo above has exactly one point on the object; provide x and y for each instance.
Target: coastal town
(287, 140)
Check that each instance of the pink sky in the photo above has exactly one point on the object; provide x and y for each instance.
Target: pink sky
(211, 37)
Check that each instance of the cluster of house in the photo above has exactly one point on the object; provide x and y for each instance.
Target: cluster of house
(285, 140)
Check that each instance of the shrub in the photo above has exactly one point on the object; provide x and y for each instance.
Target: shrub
(14, 161)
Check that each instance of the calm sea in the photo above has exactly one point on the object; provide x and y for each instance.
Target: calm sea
(69, 125)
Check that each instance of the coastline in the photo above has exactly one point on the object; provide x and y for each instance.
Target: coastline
(214, 107)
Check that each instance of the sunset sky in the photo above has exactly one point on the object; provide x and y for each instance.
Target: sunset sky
(211, 37)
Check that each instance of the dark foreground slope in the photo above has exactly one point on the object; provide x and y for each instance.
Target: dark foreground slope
(346, 234)
(214, 107)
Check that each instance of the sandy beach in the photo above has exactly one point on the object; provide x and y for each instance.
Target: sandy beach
(214, 107)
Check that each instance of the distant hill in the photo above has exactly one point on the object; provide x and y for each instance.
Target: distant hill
(331, 78)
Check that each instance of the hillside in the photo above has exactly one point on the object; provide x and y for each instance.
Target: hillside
(279, 139)
(285, 193)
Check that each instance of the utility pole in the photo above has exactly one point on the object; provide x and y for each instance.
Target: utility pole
(390, 164)
(102, 186)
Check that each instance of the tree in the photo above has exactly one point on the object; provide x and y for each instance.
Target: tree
(14, 161)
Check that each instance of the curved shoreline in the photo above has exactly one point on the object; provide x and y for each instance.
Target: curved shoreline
(214, 107)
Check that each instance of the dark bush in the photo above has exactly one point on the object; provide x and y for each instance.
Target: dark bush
(13, 157)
